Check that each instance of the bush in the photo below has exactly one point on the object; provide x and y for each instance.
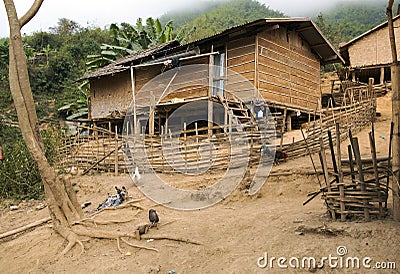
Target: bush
(19, 174)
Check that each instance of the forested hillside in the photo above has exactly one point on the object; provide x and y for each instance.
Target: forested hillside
(341, 23)
(348, 20)
(225, 15)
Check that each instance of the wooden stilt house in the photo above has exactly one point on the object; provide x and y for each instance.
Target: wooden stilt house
(281, 58)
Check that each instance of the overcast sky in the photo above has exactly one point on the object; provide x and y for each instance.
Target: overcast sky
(101, 13)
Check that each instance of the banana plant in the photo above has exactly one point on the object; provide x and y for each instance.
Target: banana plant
(128, 39)
(78, 108)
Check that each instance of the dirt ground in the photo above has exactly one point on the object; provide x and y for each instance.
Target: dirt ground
(233, 234)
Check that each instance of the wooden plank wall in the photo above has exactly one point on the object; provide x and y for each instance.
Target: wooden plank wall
(185, 85)
(287, 70)
(190, 83)
(241, 60)
(110, 93)
(142, 77)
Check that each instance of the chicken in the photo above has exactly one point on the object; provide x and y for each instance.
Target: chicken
(136, 176)
(279, 154)
(153, 217)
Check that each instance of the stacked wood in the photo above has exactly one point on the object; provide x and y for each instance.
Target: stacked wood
(353, 193)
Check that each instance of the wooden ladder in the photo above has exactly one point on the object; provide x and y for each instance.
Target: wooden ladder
(239, 113)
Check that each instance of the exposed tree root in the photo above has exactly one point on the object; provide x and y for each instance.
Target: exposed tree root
(125, 205)
(139, 246)
(119, 246)
(72, 239)
(147, 237)
(104, 222)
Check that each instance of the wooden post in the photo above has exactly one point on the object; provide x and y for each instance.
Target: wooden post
(351, 163)
(375, 166)
(335, 168)
(152, 113)
(356, 150)
(389, 163)
(210, 94)
(396, 139)
(340, 174)
(95, 131)
(133, 76)
(382, 76)
(395, 75)
(324, 166)
(283, 127)
(116, 151)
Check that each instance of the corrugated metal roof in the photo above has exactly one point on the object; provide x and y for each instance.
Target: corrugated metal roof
(304, 26)
(124, 63)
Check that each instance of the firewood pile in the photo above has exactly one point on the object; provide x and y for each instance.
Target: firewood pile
(359, 190)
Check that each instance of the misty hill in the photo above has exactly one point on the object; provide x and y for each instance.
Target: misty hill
(214, 17)
(340, 23)
(186, 15)
(348, 20)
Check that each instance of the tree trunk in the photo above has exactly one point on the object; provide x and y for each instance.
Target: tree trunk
(62, 202)
(395, 74)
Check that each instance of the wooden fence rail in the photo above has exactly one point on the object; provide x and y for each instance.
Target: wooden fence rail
(94, 148)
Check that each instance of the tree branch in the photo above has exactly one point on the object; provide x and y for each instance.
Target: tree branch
(24, 228)
(30, 13)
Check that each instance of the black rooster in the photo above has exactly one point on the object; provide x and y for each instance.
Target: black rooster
(153, 217)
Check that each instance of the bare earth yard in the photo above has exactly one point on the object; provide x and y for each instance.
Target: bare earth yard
(234, 234)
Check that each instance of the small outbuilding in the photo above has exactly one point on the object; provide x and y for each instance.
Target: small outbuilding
(369, 55)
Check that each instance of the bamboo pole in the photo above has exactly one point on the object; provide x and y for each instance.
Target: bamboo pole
(340, 174)
(324, 166)
(356, 150)
(375, 166)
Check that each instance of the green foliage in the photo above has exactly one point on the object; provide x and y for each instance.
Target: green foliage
(229, 14)
(19, 175)
(77, 108)
(128, 39)
(349, 20)
(188, 13)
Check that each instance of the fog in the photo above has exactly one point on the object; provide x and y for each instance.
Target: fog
(101, 13)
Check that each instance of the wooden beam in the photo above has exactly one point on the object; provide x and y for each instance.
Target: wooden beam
(133, 79)
(210, 94)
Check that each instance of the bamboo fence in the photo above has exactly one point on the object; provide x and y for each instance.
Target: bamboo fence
(94, 148)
